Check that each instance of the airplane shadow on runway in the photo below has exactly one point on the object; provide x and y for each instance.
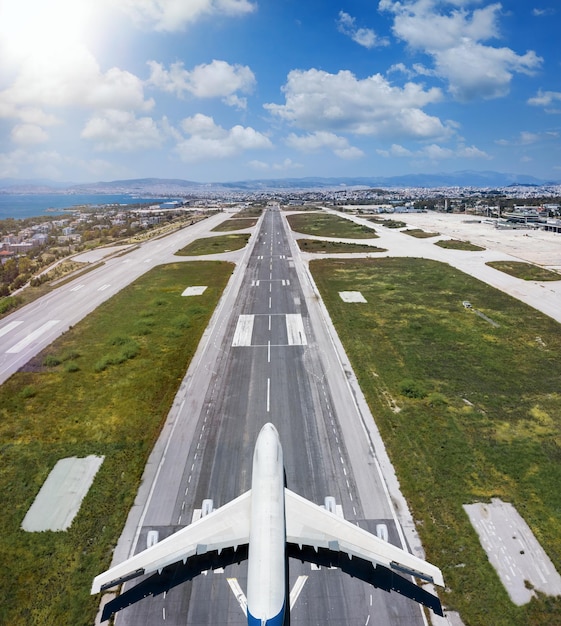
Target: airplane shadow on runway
(174, 575)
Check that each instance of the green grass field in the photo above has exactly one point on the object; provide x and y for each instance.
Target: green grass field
(526, 271)
(327, 225)
(419, 233)
(235, 223)
(468, 411)
(214, 245)
(104, 387)
(458, 244)
(335, 247)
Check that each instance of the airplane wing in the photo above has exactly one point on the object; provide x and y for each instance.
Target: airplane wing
(226, 527)
(308, 524)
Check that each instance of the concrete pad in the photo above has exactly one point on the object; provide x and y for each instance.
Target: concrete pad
(352, 296)
(61, 495)
(194, 291)
(514, 551)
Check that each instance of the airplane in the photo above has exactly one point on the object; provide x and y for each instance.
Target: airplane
(267, 525)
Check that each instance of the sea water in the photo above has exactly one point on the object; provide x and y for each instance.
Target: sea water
(20, 206)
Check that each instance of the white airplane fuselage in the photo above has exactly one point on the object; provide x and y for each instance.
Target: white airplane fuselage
(266, 571)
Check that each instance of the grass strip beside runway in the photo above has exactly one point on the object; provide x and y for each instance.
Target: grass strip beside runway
(468, 411)
(327, 225)
(105, 388)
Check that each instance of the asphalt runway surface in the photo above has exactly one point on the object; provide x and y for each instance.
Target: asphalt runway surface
(265, 358)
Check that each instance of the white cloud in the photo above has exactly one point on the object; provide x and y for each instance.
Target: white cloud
(324, 140)
(28, 134)
(212, 80)
(44, 164)
(175, 15)
(543, 12)
(454, 41)
(207, 140)
(74, 79)
(122, 131)
(319, 101)
(434, 152)
(546, 99)
(526, 138)
(363, 36)
(395, 151)
(283, 166)
(474, 70)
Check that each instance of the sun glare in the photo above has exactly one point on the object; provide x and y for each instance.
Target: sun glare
(34, 28)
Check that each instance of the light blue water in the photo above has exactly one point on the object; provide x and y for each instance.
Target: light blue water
(20, 206)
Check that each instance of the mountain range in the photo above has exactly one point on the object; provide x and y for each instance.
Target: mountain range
(466, 178)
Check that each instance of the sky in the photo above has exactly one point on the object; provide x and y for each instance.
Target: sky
(226, 90)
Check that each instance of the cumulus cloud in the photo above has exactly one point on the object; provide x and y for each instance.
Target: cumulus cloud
(208, 140)
(28, 134)
(122, 131)
(454, 39)
(175, 15)
(324, 140)
(73, 80)
(366, 37)
(211, 80)
(319, 101)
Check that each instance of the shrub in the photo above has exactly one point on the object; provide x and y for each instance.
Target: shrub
(412, 389)
(51, 361)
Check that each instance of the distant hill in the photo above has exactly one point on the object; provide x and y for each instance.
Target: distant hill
(159, 186)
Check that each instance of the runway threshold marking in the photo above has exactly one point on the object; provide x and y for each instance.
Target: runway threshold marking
(6, 329)
(295, 330)
(32, 337)
(244, 330)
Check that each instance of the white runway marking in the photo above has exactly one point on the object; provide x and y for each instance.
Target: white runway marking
(297, 590)
(104, 287)
(32, 337)
(78, 287)
(238, 593)
(6, 329)
(295, 330)
(244, 330)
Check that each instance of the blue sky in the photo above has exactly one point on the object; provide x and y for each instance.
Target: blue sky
(223, 90)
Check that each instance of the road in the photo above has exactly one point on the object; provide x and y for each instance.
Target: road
(266, 357)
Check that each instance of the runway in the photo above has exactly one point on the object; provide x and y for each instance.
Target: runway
(265, 358)
(27, 331)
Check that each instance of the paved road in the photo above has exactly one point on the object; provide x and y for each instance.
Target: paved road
(266, 357)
